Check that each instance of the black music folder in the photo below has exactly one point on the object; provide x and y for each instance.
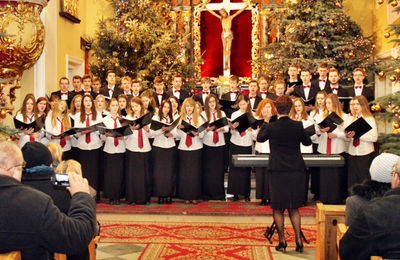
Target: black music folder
(141, 121)
(36, 125)
(64, 134)
(245, 121)
(310, 130)
(360, 127)
(219, 123)
(188, 128)
(173, 125)
(116, 132)
(226, 103)
(331, 121)
(157, 125)
(92, 128)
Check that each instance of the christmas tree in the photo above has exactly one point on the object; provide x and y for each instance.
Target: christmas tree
(388, 107)
(139, 42)
(311, 32)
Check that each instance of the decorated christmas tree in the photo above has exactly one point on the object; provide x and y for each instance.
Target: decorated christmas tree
(140, 42)
(388, 107)
(311, 32)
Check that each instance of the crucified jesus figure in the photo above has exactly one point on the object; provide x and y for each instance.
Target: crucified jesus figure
(227, 35)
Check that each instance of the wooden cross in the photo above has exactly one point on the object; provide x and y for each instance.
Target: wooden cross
(228, 6)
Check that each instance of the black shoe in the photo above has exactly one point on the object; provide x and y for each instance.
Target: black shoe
(117, 202)
(112, 202)
(169, 200)
(235, 198)
(160, 200)
(263, 202)
(282, 245)
(299, 247)
(247, 199)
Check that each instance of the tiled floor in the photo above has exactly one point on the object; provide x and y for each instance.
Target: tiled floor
(106, 251)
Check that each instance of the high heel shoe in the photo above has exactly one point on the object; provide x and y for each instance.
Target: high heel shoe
(299, 247)
(282, 245)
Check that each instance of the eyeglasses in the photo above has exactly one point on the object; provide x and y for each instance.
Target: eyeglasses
(22, 166)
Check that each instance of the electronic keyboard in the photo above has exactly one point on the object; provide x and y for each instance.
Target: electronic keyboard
(311, 160)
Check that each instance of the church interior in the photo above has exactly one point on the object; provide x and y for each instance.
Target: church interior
(145, 42)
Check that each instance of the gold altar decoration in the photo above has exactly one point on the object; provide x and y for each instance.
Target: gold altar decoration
(22, 39)
(255, 37)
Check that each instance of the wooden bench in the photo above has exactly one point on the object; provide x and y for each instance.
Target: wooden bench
(327, 218)
(92, 250)
(15, 255)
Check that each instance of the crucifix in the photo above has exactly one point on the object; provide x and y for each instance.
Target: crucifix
(224, 9)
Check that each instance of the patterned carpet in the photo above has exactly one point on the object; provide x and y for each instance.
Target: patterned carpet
(204, 208)
(169, 240)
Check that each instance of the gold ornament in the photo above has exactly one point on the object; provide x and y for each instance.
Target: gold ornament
(378, 107)
(373, 108)
(283, 43)
(380, 2)
(373, 46)
(301, 56)
(314, 39)
(394, 3)
(313, 24)
(351, 54)
(325, 47)
(397, 71)
(387, 35)
(331, 22)
(395, 131)
(3, 113)
(393, 78)
(21, 49)
(396, 125)
(381, 74)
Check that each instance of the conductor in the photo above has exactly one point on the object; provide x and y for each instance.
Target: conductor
(287, 169)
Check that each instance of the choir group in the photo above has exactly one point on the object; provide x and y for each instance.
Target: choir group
(184, 150)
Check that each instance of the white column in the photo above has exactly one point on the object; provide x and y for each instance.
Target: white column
(39, 85)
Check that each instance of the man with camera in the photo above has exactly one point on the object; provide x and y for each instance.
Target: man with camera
(29, 220)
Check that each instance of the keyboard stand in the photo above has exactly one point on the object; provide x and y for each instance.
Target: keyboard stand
(269, 232)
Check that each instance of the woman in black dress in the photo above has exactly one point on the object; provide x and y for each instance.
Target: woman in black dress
(287, 168)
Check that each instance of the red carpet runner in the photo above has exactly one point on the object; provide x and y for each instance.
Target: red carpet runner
(166, 240)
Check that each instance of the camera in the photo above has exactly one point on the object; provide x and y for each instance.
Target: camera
(60, 180)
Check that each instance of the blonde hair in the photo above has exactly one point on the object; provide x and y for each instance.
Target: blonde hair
(364, 106)
(63, 115)
(56, 151)
(337, 107)
(69, 166)
(196, 114)
(96, 101)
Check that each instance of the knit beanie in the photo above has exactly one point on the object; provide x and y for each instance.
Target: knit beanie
(381, 167)
(36, 154)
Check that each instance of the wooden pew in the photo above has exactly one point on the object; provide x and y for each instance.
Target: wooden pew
(15, 255)
(327, 218)
(92, 250)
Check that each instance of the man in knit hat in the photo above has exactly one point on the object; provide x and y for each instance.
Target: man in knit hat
(375, 230)
(29, 220)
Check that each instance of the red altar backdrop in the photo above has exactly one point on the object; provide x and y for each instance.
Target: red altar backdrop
(211, 44)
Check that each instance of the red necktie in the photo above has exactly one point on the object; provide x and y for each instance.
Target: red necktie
(206, 93)
(253, 97)
(166, 121)
(63, 142)
(356, 142)
(307, 86)
(87, 125)
(140, 138)
(263, 93)
(31, 138)
(321, 80)
(358, 87)
(159, 94)
(115, 138)
(177, 90)
(215, 134)
(334, 89)
(189, 137)
(328, 146)
(234, 92)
